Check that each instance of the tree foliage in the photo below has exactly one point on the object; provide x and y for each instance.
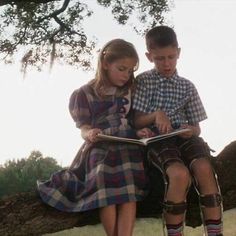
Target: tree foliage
(54, 29)
(21, 175)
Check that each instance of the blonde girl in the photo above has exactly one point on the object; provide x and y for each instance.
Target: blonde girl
(105, 175)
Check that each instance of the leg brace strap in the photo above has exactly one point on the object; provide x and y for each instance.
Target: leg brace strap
(162, 159)
(175, 208)
(210, 200)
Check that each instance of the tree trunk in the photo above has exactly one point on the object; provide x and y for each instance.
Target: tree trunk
(25, 214)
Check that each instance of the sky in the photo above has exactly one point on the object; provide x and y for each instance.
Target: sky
(34, 111)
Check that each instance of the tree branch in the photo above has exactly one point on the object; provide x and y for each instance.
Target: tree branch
(15, 2)
(62, 27)
(30, 216)
(57, 12)
(69, 31)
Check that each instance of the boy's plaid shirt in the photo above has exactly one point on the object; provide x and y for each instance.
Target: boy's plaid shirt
(176, 96)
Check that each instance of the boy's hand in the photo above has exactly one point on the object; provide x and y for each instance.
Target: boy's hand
(194, 130)
(162, 122)
(144, 133)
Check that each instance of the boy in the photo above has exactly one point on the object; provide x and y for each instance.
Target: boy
(165, 101)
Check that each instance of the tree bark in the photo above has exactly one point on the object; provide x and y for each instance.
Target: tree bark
(25, 213)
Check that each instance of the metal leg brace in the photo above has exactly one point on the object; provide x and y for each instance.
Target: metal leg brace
(157, 164)
(209, 200)
(168, 206)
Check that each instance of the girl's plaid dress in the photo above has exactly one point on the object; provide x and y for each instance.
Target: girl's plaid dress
(103, 173)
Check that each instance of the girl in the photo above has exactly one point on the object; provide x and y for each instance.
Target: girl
(105, 175)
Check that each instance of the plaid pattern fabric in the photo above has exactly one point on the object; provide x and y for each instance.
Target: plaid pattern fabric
(108, 114)
(103, 173)
(176, 96)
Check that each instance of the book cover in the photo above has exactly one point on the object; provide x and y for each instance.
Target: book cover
(142, 141)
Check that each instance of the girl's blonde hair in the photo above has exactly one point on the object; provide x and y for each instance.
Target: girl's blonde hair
(112, 51)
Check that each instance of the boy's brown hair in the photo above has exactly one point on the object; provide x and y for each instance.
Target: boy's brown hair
(161, 36)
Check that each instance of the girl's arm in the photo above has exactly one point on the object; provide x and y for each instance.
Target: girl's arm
(144, 133)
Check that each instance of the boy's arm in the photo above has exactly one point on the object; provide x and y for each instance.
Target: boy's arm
(142, 119)
(195, 130)
(157, 118)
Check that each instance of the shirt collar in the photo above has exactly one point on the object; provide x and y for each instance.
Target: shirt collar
(173, 79)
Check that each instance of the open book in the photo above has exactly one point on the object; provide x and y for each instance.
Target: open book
(143, 141)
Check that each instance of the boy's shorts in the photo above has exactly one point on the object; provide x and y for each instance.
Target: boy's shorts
(177, 149)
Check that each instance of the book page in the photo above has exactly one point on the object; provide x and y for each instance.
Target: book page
(163, 136)
(120, 139)
(143, 141)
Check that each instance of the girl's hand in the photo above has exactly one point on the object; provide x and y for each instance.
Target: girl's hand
(91, 135)
(144, 133)
(162, 122)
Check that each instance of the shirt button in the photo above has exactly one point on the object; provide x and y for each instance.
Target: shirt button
(124, 101)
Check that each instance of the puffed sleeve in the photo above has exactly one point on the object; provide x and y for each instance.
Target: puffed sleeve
(79, 108)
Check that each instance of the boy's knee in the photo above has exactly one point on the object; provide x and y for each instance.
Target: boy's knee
(202, 167)
(178, 174)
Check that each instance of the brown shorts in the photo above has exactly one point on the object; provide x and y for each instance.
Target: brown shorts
(177, 149)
